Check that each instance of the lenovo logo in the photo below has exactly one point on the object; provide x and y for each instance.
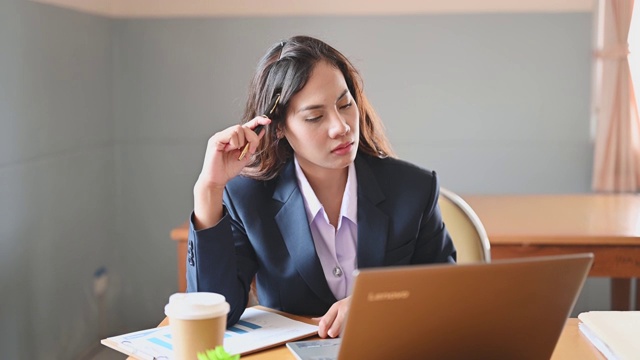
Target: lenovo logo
(388, 295)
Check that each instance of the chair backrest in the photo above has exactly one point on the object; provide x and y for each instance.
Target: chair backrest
(466, 229)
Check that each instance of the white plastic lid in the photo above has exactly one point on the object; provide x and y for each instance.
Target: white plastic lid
(196, 306)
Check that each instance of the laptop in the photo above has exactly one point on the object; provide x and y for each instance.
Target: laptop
(508, 309)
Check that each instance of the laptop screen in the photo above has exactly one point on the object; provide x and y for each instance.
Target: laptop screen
(512, 309)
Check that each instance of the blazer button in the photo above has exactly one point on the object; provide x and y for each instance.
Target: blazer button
(191, 262)
(337, 272)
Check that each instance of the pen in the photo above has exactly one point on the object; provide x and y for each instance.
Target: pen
(258, 128)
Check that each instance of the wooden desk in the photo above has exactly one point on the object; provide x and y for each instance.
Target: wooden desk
(571, 345)
(606, 225)
(181, 237)
(531, 225)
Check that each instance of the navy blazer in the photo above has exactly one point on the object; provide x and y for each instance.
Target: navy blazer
(265, 232)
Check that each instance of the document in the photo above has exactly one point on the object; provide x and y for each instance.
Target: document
(256, 330)
(614, 333)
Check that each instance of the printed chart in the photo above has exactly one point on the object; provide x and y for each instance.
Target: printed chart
(256, 330)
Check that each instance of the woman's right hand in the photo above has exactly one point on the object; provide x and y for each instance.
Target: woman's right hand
(220, 165)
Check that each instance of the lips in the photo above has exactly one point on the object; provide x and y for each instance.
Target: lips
(342, 148)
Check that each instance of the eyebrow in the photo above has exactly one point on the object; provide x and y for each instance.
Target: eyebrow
(313, 107)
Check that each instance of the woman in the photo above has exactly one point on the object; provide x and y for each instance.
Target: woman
(318, 195)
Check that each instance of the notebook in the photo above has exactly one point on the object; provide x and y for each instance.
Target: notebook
(614, 333)
(509, 309)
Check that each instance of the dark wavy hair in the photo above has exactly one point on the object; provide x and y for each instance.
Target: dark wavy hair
(284, 70)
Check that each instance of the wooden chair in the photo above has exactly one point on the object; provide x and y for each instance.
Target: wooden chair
(466, 229)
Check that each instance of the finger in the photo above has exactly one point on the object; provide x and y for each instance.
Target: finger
(250, 135)
(327, 321)
(239, 133)
(225, 140)
(258, 120)
(218, 142)
(254, 131)
(236, 138)
(336, 326)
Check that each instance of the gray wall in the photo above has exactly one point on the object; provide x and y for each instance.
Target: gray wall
(57, 208)
(496, 103)
(108, 121)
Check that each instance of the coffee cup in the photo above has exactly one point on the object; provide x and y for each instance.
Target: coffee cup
(198, 322)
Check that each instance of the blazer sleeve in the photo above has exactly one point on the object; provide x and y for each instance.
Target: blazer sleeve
(221, 259)
(434, 244)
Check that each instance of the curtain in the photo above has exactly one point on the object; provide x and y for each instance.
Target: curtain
(617, 138)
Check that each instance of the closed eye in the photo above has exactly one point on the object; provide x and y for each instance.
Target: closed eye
(317, 118)
(347, 105)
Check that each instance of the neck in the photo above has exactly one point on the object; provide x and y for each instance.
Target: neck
(328, 182)
(329, 188)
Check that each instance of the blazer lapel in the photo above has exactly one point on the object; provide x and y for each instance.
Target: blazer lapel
(294, 227)
(372, 222)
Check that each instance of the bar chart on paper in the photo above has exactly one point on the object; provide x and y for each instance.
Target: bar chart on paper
(256, 330)
(242, 327)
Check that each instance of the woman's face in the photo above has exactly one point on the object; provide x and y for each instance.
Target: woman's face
(322, 124)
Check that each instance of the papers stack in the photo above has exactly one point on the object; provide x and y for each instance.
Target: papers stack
(616, 334)
(256, 330)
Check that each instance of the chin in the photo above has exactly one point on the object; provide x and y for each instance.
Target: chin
(345, 161)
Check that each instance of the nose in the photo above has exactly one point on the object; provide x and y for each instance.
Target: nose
(338, 126)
